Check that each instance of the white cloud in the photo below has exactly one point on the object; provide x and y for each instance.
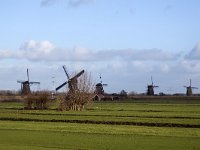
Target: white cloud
(5, 54)
(165, 68)
(141, 66)
(33, 50)
(117, 66)
(122, 69)
(46, 51)
(42, 47)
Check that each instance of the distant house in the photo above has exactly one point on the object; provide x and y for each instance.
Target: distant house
(98, 97)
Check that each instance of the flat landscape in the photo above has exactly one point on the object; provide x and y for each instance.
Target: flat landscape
(130, 124)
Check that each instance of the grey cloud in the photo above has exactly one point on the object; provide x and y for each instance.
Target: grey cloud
(76, 3)
(48, 2)
(131, 54)
(190, 66)
(72, 3)
(194, 54)
(168, 7)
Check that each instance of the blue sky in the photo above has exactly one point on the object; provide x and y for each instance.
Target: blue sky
(126, 41)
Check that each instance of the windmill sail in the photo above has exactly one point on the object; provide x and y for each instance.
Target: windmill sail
(25, 84)
(27, 74)
(59, 87)
(150, 88)
(189, 89)
(66, 72)
(77, 75)
(72, 82)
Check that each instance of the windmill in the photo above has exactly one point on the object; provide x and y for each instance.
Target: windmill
(72, 82)
(99, 87)
(189, 89)
(150, 88)
(25, 85)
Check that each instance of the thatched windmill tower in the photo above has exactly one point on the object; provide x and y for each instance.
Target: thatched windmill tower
(189, 89)
(25, 85)
(150, 88)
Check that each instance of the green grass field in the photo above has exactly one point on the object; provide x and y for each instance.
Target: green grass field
(103, 125)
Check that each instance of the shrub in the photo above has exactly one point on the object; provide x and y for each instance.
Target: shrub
(38, 100)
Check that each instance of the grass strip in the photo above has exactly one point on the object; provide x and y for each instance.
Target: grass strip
(106, 122)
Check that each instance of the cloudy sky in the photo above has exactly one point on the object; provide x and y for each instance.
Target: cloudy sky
(126, 41)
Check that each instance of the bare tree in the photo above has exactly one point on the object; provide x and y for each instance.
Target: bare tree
(132, 93)
(80, 96)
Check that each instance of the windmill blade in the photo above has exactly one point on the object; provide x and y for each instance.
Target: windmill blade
(59, 87)
(34, 82)
(77, 75)
(100, 78)
(21, 87)
(190, 82)
(152, 80)
(20, 81)
(27, 74)
(194, 87)
(104, 84)
(66, 72)
(185, 86)
(155, 86)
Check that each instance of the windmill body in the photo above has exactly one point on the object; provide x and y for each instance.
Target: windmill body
(150, 88)
(99, 87)
(25, 90)
(189, 89)
(99, 91)
(25, 85)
